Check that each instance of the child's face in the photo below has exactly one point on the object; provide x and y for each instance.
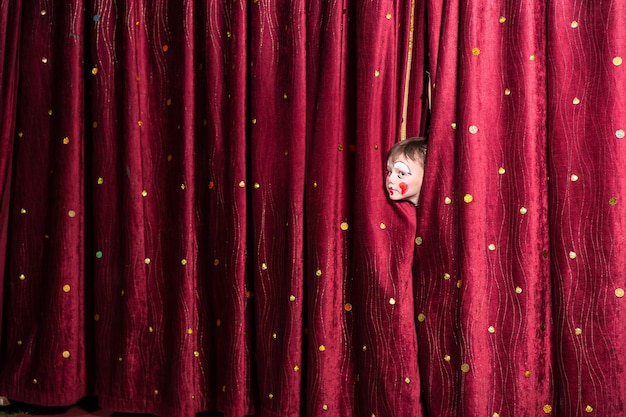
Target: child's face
(404, 179)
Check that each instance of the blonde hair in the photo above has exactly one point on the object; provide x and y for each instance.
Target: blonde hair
(413, 148)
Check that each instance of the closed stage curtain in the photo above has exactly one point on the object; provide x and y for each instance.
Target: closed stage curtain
(193, 214)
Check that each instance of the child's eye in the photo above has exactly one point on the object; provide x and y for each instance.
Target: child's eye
(401, 174)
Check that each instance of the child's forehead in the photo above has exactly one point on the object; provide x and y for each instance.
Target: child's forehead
(399, 158)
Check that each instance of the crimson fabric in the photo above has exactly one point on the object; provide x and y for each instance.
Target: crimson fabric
(198, 219)
(520, 274)
(193, 214)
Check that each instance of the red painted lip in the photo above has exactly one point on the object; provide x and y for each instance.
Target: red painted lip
(390, 189)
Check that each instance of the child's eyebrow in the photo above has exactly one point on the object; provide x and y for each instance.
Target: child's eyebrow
(401, 165)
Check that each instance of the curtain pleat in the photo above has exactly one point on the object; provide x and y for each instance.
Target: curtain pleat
(193, 215)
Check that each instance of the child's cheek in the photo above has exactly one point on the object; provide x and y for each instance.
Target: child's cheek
(403, 187)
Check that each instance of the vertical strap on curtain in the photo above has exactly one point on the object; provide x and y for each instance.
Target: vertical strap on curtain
(407, 75)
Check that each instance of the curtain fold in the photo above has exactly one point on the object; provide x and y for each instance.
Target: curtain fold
(193, 215)
(9, 43)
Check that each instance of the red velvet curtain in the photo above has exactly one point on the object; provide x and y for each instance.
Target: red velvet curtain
(193, 214)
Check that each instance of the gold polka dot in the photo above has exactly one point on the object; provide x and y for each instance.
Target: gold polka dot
(139, 122)
(19, 343)
(527, 374)
(183, 186)
(377, 73)
(491, 329)
(270, 396)
(94, 70)
(421, 317)
(156, 392)
(122, 293)
(532, 57)
(66, 288)
(183, 261)
(150, 329)
(589, 409)
(418, 241)
(468, 198)
(322, 348)
(572, 255)
(44, 60)
(507, 92)
(576, 100)
(475, 51)
(314, 184)
(144, 193)
(447, 200)
(495, 415)
(446, 276)
(218, 322)
(340, 147)
(613, 201)
(447, 358)
(619, 292)
(296, 368)
(66, 140)
(96, 317)
(392, 301)
(574, 24)
(573, 178)
(257, 185)
(347, 307)
(71, 213)
(34, 380)
(492, 247)
(242, 184)
(22, 277)
(547, 408)
(190, 331)
(383, 226)
(253, 121)
(325, 407)
(147, 261)
(459, 284)
(344, 226)
(318, 273)
(523, 210)
(502, 19)
(473, 129)
(22, 211)
(465, 368)
(388, 16)
(66, 354)
(617, 61)
(407, 380)
(196, 353)
(518, 290)
(453, 125)
(292, 298)
(578, 331)
(43, 12)
(364, 348)
(264, 266)
(100, 180)
(620, 133)
(216, 262)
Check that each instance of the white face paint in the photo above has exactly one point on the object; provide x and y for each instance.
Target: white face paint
(404, 179)
(402, 166)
